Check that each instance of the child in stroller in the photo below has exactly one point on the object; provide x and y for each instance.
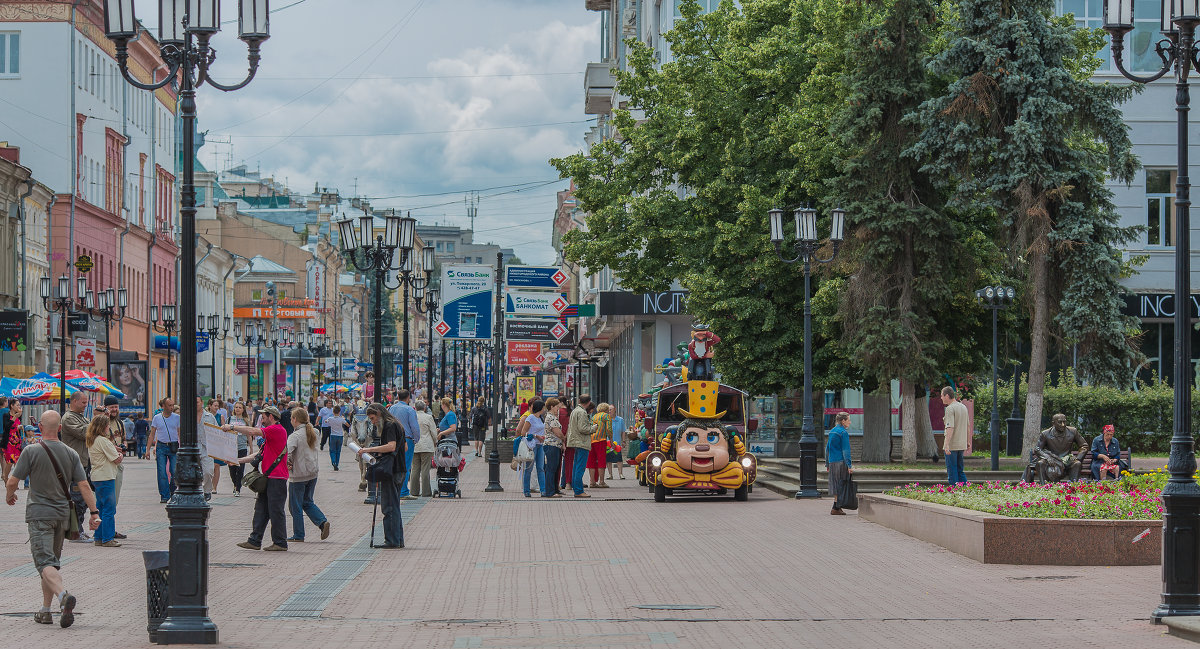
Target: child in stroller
(449, 462)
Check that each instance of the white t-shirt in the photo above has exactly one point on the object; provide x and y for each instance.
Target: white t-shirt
(336, 424)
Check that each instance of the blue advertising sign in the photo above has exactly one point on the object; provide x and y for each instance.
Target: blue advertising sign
(535, 277)
(468, 302)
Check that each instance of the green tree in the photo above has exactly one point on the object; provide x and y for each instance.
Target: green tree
(1021, 131)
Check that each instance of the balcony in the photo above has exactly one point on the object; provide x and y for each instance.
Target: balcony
(598, 84)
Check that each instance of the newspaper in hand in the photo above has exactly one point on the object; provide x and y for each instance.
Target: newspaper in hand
(367, 457)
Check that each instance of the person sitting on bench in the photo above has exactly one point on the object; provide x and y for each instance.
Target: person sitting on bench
(1106, 455)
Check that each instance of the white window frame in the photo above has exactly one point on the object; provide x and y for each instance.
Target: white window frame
(6, 54)
(1166, 210)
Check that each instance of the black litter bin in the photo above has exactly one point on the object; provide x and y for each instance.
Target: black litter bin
(157, 577)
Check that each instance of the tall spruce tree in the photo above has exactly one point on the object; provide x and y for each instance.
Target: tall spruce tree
(1021, 131)
(902, 314)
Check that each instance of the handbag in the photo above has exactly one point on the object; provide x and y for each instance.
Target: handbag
(385, 463)
(72, 520)
(849, 493)
(255, 480)
(525, 452)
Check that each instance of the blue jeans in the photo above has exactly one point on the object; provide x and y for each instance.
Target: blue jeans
(408, 453)
(954, 468)
(539, 463)
(141, 445)
(106, 502)
(578, 468)
(164, 457)
(551, 466)
(300, 502)
(335, 450)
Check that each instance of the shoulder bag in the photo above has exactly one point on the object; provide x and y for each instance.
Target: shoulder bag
(255, 480)
(385, 463)
(73, 520)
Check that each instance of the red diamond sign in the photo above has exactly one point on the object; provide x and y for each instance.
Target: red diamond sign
(560, 303)
(560, 277)
(540, 358)
(558, 330)
(442, 328)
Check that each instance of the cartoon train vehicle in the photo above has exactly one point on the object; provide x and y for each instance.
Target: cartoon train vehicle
(699, 446)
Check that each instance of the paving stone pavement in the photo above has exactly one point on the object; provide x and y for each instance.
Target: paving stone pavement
(499, 571)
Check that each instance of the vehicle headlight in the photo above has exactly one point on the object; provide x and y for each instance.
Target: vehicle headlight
(656, 461)
(746, 462)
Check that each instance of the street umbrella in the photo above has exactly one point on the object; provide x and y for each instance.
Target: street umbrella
(334, 387)
(85, 381)
(33, 390)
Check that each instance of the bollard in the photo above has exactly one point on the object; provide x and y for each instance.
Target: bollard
(157, 577)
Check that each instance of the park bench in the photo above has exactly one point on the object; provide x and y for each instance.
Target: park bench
(1085, 470)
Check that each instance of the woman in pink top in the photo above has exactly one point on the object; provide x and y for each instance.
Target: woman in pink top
(272, 460)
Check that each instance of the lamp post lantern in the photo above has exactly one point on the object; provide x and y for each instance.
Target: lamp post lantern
(381, 254)
(61, 303)
(995, 298)
(211, 325)
(253, 336)
(805, 247)
(429, 305)
(418, 285)
(167, 325)
(1181, 497)
(107, 306)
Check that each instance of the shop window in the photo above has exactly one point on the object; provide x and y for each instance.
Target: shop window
(1160, 207)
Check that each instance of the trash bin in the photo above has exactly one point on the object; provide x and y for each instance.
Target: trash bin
(1016, 435)
(157, 577)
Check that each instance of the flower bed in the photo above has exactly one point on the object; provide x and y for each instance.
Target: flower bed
(1116, 500)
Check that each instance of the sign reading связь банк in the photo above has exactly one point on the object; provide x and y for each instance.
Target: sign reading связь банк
(467, 302)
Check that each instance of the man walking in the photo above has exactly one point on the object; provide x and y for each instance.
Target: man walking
(141, 433)
(164, 447)
(269, 505)
(322, 414)
(50, 465)
(74, 434)
(579, 437)
(957, 440)
(407, 416)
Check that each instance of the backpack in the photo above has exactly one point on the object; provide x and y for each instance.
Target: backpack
(479, 418)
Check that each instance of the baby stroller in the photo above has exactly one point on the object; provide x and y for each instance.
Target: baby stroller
(448, 461)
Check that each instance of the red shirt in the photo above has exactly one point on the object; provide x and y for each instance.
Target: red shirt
(276, 443)
(524, 408)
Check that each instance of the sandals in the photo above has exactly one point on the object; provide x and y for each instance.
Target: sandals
(43, 617)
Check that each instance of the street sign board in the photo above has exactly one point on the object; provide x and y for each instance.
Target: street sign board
(579, 311)
(467, 302)
(533, 304)
(523, 353)
(85, 352)
(542, 331)
(534, 277)
(246, 365)
(84, 264)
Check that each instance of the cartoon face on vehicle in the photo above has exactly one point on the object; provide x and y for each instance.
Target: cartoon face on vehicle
(702, 450)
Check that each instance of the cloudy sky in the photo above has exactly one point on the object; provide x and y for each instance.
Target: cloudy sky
(405, 98)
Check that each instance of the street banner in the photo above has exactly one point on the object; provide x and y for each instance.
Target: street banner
(549, 384)
(538, 331)
(526, 388)
(524, 353)
(85, 352)
(535, 277)
(467, 302)
(130, 378)
(201, 341)
(12, 330)
(246, 365)
(533, 304)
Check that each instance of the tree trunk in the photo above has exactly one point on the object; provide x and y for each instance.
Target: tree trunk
(877, 428)
(926, 444)
(1039, 348)
(908, 422)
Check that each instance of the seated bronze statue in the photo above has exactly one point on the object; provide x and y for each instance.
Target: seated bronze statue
(1055, 459)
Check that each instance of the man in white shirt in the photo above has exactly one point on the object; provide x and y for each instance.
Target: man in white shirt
(164, 446)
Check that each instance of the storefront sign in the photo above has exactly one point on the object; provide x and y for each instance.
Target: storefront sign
(467, 302)
(533, 304)
(283, 312)
(247, 365)
(524, 353)
(1156, 306)
(651, 304)
(13, 330)
(548, 331)
(534, 277)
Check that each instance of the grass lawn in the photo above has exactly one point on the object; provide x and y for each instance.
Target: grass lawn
(1006, 464)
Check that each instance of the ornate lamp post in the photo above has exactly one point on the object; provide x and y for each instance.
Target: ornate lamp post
(1181, 496)
(107, 306)
(185, 29)
(418, 284)
(428, 305)
(806, 246)
(254, 336)
(61, 303)
(168, 325)
(995, 298)
(371, 252)
(211, 324)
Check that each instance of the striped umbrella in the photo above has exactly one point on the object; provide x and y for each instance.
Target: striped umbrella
(33, 390)
(85, 381)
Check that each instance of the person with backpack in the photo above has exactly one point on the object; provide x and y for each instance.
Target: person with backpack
(387, 471)
(480, 420)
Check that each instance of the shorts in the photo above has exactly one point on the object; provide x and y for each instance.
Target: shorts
(480, 434)
(46, 542)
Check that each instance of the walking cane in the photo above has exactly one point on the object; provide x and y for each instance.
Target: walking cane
(374, 511)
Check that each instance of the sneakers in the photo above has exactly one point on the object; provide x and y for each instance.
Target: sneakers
(110, 544)
(83, 538)
(583, 495)
(67, 614)
(409, 497)
(275, 548)
(119, 536)
(237, 492)
(43, 617)
(249, 546)
(325, 530)
(293, 539)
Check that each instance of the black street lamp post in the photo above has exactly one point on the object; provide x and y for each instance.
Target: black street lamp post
(418, 285)
(429, 305)
(1181, 496)
(995, 298)
(254, 336)
(442, 383)
(211, 324)
(107, 306)
(61, 303)
(169, 324)
(806, 246)
(185, 30)
(378, 253)
(497, 363)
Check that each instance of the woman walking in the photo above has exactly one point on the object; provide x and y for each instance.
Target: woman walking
(302, 476)
(105, 459)
(418, 481)
(479, 422)
(598, 459)
(207, 417)
(552, 449)
(236, 471)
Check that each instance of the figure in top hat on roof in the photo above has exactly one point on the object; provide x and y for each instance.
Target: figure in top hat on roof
(700, 351)
(703, 454)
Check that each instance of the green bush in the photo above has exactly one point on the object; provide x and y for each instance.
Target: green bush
(1144, 418)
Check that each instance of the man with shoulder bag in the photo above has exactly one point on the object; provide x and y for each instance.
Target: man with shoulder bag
(387, 472)
(271, 485)
(51, 467)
